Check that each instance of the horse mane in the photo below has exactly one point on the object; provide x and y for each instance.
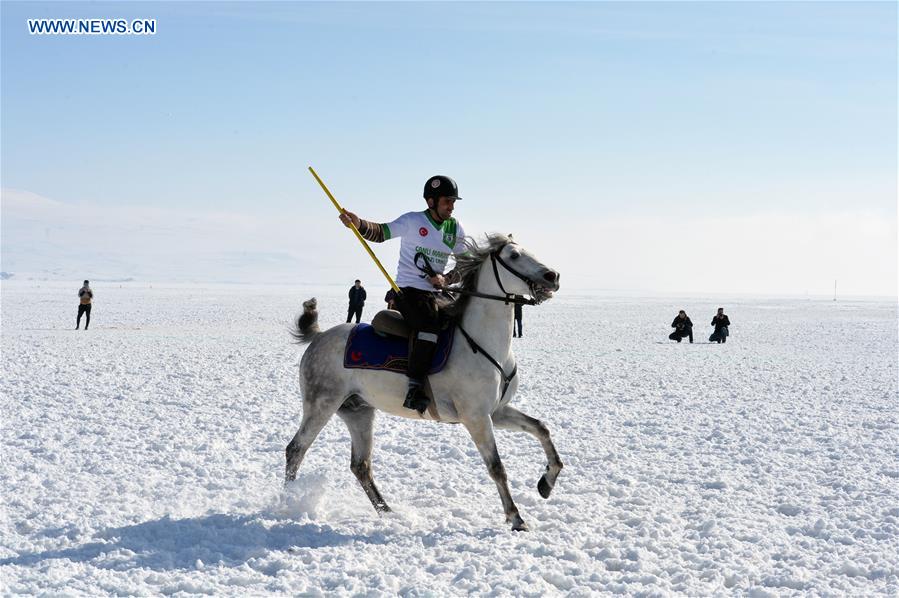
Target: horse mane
(467, 266)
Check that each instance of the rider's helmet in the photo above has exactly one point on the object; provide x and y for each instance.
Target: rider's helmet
(441, 186)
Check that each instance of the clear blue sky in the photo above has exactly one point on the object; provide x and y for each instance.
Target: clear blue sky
(559, 121)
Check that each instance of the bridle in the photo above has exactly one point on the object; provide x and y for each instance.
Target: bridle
(506, 297)
(509, 297)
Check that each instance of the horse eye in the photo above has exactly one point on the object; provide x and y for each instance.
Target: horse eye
(515, 255)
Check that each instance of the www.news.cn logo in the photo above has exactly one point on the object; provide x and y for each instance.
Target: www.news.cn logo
(92, 27)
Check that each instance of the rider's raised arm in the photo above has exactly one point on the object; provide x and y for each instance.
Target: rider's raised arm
(372, 231)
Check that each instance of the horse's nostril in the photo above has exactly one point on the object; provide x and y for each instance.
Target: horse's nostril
(551, 276)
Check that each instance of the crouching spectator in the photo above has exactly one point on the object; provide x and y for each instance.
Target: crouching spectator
(721, 323)
(683, 327)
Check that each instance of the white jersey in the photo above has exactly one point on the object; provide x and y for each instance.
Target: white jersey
(421, 234)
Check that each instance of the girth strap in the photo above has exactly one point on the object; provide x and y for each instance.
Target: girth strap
(476, 348)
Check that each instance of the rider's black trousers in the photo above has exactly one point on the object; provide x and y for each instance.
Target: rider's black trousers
(419, 309)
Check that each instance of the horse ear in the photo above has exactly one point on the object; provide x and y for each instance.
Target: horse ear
(510, 237)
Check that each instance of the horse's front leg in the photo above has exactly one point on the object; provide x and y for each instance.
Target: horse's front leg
(481, 430)
(509, 418)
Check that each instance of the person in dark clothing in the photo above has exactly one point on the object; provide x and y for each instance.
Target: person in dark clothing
(390, 299)
(722, 327)
(516, 325)
(683, 327)
(357, 301)
(85, 296)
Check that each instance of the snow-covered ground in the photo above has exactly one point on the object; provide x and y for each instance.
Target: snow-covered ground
(145, 456)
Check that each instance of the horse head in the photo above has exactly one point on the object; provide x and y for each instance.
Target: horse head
(516, 271)
(500, 269)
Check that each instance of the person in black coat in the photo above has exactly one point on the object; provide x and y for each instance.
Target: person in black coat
(683, 327)
(357, 301)
(722, 327)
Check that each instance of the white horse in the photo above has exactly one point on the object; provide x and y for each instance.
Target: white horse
(475, 388)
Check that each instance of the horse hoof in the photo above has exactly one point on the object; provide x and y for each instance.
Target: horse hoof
(543, 487)
(519, 525)
(383, 508)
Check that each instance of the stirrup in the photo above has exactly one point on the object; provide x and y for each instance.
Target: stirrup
(417, 400)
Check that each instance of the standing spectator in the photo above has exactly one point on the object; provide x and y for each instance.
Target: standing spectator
(722, 324)
(85, 295)
(390, 298)
(516, 325)
(683, 327)
(357, 301)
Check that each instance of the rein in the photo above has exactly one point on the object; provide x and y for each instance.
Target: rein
(506, 298)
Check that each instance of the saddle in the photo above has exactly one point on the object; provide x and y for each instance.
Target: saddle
(384, 345)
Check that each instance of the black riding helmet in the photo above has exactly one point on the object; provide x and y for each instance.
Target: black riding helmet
(441, 186)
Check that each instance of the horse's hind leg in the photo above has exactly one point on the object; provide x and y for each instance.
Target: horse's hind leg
(316, 413)
(481, 432)
(510, 418)
(359, 418)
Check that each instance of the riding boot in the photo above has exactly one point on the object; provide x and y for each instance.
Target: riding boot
(423, 348)
(416, 397)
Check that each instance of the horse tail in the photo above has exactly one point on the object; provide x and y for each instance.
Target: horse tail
(306, 326)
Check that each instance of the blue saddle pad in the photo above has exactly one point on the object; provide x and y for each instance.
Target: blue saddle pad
(368, 350)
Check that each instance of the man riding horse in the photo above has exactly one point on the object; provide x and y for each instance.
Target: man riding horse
(428, 238)
(480, 377)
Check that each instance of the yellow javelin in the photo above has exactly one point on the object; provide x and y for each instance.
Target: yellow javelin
(356, 232)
